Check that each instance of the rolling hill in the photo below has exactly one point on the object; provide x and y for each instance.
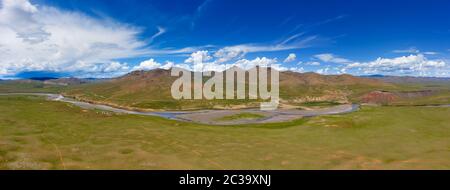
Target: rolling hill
(151, 90)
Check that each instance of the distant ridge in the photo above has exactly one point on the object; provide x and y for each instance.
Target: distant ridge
(65, 81)
(42, 78)
(408, 79)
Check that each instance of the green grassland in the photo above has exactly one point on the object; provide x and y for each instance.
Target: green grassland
(148, 97)
(441, 97)
(40, 134)
(29, 86)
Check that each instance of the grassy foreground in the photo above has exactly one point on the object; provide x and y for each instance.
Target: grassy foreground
(39, 134)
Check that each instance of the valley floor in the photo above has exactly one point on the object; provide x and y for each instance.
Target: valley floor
(40, 134)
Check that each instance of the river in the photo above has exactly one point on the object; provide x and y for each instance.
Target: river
(209, 116)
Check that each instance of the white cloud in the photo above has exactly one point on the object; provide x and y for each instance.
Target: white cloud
(45, 38)
(430, 53)
(263, 62)
(405, 65)
(412, 64)
(332, 70)
(201, 61)
(330, 58)
(151, 64)
(103, 70)
(312, 63)
(229, 53)
(323, 71)
(168, 65)
(293, 37)
(238, 51)
(42, 38)
(183, 66)
(297, 69)
(291, 57)
(114, 66)
(147, 65)
(303, 43)
(414, 50)
(160, 32)
(198, 57)
(17, 15)
(409, 50)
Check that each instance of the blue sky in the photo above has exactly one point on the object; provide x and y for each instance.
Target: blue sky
(106, 38)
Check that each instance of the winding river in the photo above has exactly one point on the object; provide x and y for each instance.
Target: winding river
(211, 117)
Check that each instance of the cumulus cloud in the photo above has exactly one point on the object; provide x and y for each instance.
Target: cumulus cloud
(291, 57)
(412, 64)
(18, 16)
(43, 38)
(229, 53)
(330, 58)
(263, 62)
(202, 61)
(168, 65)
(198, 57)
(405, 65)
(147, 65)
(199, 61)
(205, 63)
(151, 64)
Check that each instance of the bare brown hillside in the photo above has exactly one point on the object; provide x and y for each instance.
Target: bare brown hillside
(151, 89)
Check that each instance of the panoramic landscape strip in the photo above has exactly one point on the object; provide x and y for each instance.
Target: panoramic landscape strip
(224, 85)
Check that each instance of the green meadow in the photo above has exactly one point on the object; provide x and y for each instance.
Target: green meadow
(40, 134)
